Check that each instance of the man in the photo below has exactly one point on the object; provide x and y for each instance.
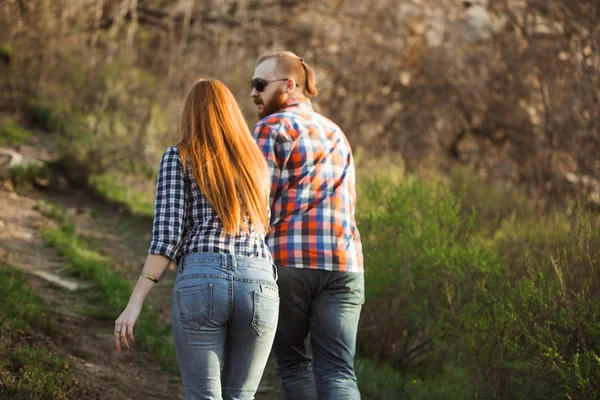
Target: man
(313, 237)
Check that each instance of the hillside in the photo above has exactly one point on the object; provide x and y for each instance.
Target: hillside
(507, 87)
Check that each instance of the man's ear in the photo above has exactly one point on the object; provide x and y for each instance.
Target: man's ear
(290, 85)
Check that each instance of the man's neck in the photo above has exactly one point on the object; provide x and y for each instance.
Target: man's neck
(294, 97)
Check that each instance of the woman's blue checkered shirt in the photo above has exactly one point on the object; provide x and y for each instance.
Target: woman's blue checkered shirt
(184, 222)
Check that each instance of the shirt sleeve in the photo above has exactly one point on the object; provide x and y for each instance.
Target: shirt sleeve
(269, 142)
(169, 206)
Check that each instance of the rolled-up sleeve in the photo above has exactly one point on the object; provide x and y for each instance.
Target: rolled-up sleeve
(169, 206)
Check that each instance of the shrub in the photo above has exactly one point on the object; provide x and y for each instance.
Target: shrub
(6, 53)
(12, 133)
(422, 267)
(539, 337)
(41, 113)
(26, 174)
(511, 296)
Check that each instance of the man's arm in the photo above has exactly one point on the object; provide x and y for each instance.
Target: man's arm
(269, 142)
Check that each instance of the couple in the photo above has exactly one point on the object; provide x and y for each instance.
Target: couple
(267, 252)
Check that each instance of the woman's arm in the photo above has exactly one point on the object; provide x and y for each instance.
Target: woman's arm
(154, 266)
(167, 234)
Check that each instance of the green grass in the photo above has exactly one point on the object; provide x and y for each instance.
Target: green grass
(28, 371)
(11, 133)
(20, 307)
(114, 191)
(114, 290)
(379, 381)
(23, 176)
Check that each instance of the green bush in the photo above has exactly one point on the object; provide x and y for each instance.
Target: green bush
(23, 175)
(11, 133)
(505, 291)
(492, 204)
(422, 266)
(540, 334)
(41, 113)
(6, 52)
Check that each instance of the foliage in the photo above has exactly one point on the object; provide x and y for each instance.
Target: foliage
(510, 296)
(23, 175)
(423, 267)
(11, 133)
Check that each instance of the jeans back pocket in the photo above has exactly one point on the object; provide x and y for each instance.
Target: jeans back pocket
(195, 305)
(266, 313)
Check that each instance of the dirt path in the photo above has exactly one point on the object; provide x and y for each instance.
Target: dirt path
(88, 342)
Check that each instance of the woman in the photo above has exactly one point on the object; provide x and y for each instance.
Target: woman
(211, 216)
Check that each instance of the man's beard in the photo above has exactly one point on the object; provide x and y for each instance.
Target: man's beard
(273, 105)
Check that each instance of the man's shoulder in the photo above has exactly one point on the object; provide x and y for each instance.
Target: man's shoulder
(321, 120)
(292, 122)
(277, 126)
(269, 123)
(280, 119)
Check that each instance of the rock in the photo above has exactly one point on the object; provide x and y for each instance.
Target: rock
(60, 281)
(8, 186)
(42, 183)
(10, 159)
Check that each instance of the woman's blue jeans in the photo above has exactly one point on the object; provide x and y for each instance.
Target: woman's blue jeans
(224, 317)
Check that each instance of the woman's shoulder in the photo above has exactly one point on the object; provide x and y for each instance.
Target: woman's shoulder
(171, 159)
(172, 151)
(171, 154)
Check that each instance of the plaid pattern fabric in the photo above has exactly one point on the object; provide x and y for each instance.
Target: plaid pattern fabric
(185, 223)
(312, 190)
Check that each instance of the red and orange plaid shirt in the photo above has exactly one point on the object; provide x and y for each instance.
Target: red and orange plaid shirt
(313, 193)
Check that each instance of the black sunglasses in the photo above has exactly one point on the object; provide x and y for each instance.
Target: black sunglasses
(260, 84)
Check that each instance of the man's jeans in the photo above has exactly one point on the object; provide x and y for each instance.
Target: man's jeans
(224, 313)
(326, 304)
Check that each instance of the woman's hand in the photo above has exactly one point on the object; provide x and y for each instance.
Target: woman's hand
(124, 325)
(155, 265)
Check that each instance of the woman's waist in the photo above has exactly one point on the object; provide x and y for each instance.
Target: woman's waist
(216, 241)
(205, 264)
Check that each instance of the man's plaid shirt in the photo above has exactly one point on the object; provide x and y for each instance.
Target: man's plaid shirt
(312, 190)
(185, 223)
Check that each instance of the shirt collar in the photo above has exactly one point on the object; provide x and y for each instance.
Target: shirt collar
(296, 101)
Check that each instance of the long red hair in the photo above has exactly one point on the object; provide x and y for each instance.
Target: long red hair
(226, 163)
